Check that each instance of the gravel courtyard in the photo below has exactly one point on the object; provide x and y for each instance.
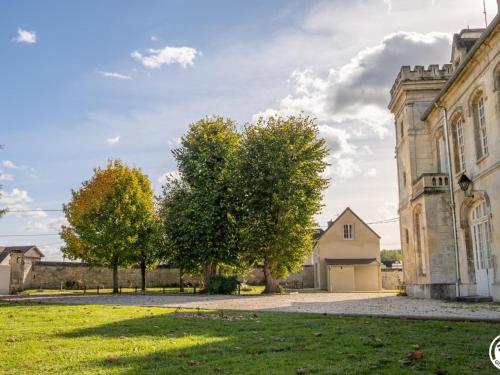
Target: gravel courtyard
(376, 304)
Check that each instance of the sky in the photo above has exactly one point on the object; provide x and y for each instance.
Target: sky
(83, 82)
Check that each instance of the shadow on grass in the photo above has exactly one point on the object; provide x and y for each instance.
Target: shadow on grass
(277, 343)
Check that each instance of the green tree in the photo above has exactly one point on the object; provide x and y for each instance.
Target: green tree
(107, 217)
(280, 183)
(390, 254)
(178, 217)
(150, 247)
(205, 160)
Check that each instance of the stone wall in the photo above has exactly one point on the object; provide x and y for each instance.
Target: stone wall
(391, 278)
(51, 275)
(306, 275)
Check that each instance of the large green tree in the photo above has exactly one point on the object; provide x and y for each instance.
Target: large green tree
(205, 161)
(280, 184)
(107, 217)
(178, 216)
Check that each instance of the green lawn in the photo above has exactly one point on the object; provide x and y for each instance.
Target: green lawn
(62, 339)
(256, 289)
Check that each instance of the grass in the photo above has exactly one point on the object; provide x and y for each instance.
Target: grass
(90, 339)
(257, 289)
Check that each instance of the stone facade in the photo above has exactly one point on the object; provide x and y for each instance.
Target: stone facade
(467, 92)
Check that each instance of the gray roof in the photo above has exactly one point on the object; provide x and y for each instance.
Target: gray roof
(4, 251)
(349, 262)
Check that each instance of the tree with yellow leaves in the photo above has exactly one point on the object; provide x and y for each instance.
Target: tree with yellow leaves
(107, 217)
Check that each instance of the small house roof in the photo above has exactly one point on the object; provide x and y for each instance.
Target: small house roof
(4, 251)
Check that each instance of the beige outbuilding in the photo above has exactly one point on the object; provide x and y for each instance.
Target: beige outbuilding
(347, 256)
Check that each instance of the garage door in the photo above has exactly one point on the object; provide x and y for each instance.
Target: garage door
(366, 278)
(341, 279)
(4, 279)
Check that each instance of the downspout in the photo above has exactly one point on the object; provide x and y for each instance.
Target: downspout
(452, 197)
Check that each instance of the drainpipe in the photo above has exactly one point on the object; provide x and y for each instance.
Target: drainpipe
(452, 197)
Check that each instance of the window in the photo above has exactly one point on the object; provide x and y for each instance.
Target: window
(348, 235)
(481, 236)
(419, 236)
(404, 178)
(402, 130)
(407, 235)
(480, 128)
(459, 145)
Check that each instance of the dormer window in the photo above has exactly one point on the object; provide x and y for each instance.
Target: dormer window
(348, 232)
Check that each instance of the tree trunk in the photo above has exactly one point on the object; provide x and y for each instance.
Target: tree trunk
(209, 269)
(143, 276)
(271, 283)
(181, 281)
(115, 278)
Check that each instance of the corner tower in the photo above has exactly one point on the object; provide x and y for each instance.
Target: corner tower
(426, 235)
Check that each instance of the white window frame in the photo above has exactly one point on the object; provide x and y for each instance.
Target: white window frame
(481, 235)
(348, 231)
(481, 118)
(459, 136)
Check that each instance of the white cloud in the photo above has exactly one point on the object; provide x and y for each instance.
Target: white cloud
(6, 176)
(15, 197)
(113, 75)
(113, 141)
(154, 38)
(46, 225)
(183, 56)
(372, 172)
(350, 101)
(10, 164)
(52, 251)
(172, 175)
(25, 36)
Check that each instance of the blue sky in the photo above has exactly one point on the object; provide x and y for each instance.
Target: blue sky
(86, 81)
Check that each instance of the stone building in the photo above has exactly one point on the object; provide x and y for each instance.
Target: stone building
(443, 259)
(16, 263)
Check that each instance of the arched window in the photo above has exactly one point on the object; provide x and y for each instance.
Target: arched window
(480, 132)
(419, 237)
(459, 143)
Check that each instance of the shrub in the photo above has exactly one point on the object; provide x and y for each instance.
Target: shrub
(73, 284)
(218, 284)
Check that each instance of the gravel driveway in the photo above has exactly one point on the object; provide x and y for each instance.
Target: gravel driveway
(375, 304)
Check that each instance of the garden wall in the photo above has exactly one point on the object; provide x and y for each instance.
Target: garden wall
(391, 278)
(51, 275)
